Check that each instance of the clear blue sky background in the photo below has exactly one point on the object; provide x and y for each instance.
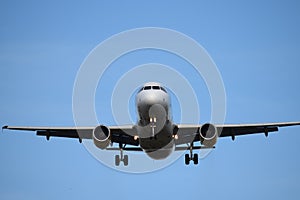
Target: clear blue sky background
(255, 45)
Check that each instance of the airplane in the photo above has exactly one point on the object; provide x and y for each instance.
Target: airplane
(155, 133)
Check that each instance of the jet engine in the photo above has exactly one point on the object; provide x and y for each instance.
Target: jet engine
(208, 135)
(101, 136)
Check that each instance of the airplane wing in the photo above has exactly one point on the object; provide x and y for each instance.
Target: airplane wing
(190, 133)
(186, 133)
(119, 134)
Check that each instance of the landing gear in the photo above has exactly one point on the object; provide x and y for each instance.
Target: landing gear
(121, 158)
(188, 158)
(153, 125)
(191, 156)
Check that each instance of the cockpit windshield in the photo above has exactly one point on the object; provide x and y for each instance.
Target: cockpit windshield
(154, 87)
(147, 88)
(163, 89)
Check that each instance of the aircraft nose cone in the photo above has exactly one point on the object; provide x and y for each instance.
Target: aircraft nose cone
(156, 102)
(151, 99)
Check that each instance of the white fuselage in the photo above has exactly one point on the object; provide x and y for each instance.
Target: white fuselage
(155, 127)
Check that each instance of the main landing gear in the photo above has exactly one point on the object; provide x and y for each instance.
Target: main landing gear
(121, 158)
(191, 156)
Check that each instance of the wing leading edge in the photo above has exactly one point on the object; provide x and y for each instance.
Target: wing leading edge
(119, 134)
(188, 133)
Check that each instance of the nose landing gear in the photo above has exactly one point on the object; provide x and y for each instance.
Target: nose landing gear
(153, 125)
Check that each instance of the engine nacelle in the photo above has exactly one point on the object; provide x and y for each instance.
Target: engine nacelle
(101, 136)
(208, 135)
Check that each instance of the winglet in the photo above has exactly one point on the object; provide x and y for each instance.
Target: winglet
(4, 127)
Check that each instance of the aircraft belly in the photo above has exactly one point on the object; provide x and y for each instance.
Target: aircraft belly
(159, 146)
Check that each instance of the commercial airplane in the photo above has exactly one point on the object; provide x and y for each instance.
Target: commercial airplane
(155, 133)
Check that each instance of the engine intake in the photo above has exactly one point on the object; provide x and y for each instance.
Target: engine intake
(101, 136)
(208, 135)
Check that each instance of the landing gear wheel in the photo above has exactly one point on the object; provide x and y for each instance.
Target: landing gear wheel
(191, 156)
(117, 160)
(121, 158)
(195, 159)
(125, 160)
(187, 159)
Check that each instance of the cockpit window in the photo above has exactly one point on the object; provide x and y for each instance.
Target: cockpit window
(154, 87)
(140, 90)
(163, 89)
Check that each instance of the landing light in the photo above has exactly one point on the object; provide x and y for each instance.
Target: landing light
(153, 120)
(175, 137)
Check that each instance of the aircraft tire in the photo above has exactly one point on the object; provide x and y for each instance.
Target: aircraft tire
(187, 159)
(195, 159)
(117, 160)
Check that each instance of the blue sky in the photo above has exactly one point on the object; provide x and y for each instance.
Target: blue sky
(254, 44)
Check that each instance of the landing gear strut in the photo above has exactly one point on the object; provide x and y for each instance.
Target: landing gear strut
(121, 158)
(191, 156)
